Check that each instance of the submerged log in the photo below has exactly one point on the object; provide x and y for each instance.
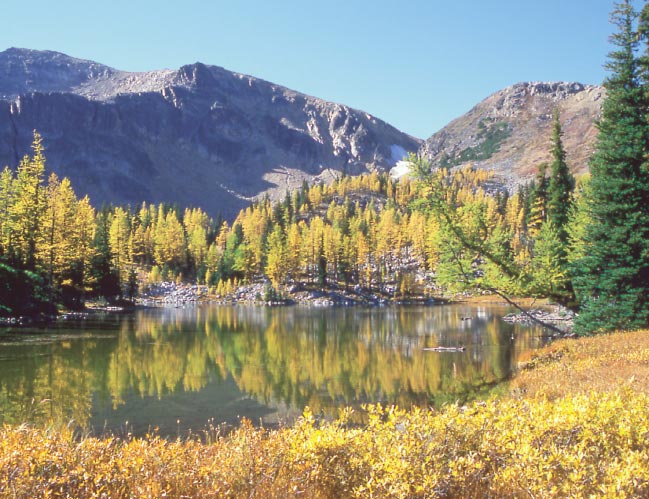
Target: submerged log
(445, 349)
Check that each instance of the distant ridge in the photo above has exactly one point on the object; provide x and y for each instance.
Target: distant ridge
(199, 135)
(509, 131)
(204, 136)
(24, 71)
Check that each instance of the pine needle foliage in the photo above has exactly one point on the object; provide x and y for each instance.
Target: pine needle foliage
(612, 278)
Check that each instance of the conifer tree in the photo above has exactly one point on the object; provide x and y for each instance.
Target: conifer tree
(6, 201)
(102, 273)
(539, 202)
(26, 211)
(276, 264)
(119, 232)
(56, 245)
(169, 240)
(561, 183)
(84, 235)
(548, 274)
(612, 279)
(293, 243)
(578, 221)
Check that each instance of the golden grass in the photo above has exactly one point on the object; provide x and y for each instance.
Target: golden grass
(524, 302)
(576, 426)
(600, 363)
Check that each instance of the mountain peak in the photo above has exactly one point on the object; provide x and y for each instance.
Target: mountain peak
(549, 87)
(25, 53)
(24, 71)
(199, 135)
(197, 74)
(509, 131)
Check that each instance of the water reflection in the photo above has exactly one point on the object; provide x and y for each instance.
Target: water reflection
(161, 366)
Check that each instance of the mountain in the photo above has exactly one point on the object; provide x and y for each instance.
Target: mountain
(196, 136)
(509, 132)
(205, 136)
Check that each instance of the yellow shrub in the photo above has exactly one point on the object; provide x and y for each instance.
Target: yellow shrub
(589, 445)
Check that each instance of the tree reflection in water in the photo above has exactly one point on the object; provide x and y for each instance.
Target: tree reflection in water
(281, 357)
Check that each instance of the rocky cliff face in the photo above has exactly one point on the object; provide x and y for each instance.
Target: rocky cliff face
(510, 131)
(199, 136)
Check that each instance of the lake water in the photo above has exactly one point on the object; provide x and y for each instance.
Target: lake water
(183, 369)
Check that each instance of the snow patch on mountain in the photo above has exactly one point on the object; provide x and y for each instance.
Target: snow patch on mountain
(397, 153)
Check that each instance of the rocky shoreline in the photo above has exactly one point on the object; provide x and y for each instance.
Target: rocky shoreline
(171, 294)
(557, 315)
(166, 294)
(331, 296)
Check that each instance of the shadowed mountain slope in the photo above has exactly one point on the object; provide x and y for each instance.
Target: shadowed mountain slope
(199, 135)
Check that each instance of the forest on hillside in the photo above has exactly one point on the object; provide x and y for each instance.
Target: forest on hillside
(440, 230)
(366, 231)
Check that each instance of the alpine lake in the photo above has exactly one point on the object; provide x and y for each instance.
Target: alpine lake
(180, 371)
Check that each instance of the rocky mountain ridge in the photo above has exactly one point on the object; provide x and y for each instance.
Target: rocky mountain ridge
(205, 136)
(199, 135)
(509, 132)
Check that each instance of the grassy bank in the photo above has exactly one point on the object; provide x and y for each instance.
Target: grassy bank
(575, 426)
(603, 363)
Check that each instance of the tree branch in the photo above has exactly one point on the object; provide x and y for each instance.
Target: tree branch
(552, 327)
(491, 289)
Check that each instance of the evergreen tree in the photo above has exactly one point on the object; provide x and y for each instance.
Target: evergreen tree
(578, 221)
(6, 201)
(118, 239)
(56, 244)
(169, 240)
(561, 183)
(84, 235)
(548, 274)
(102, 274)
(276, 265)
(293, 244)
(643, 34)
(132, 284)
(612, 279)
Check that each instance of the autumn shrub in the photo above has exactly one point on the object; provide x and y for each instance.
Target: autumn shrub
(589, 445)
(600, 363)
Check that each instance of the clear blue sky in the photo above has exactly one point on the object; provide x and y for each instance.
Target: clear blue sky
(414, 63)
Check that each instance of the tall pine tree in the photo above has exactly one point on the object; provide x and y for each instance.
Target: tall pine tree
(612, 279)
(26, 211)
(561, 183)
